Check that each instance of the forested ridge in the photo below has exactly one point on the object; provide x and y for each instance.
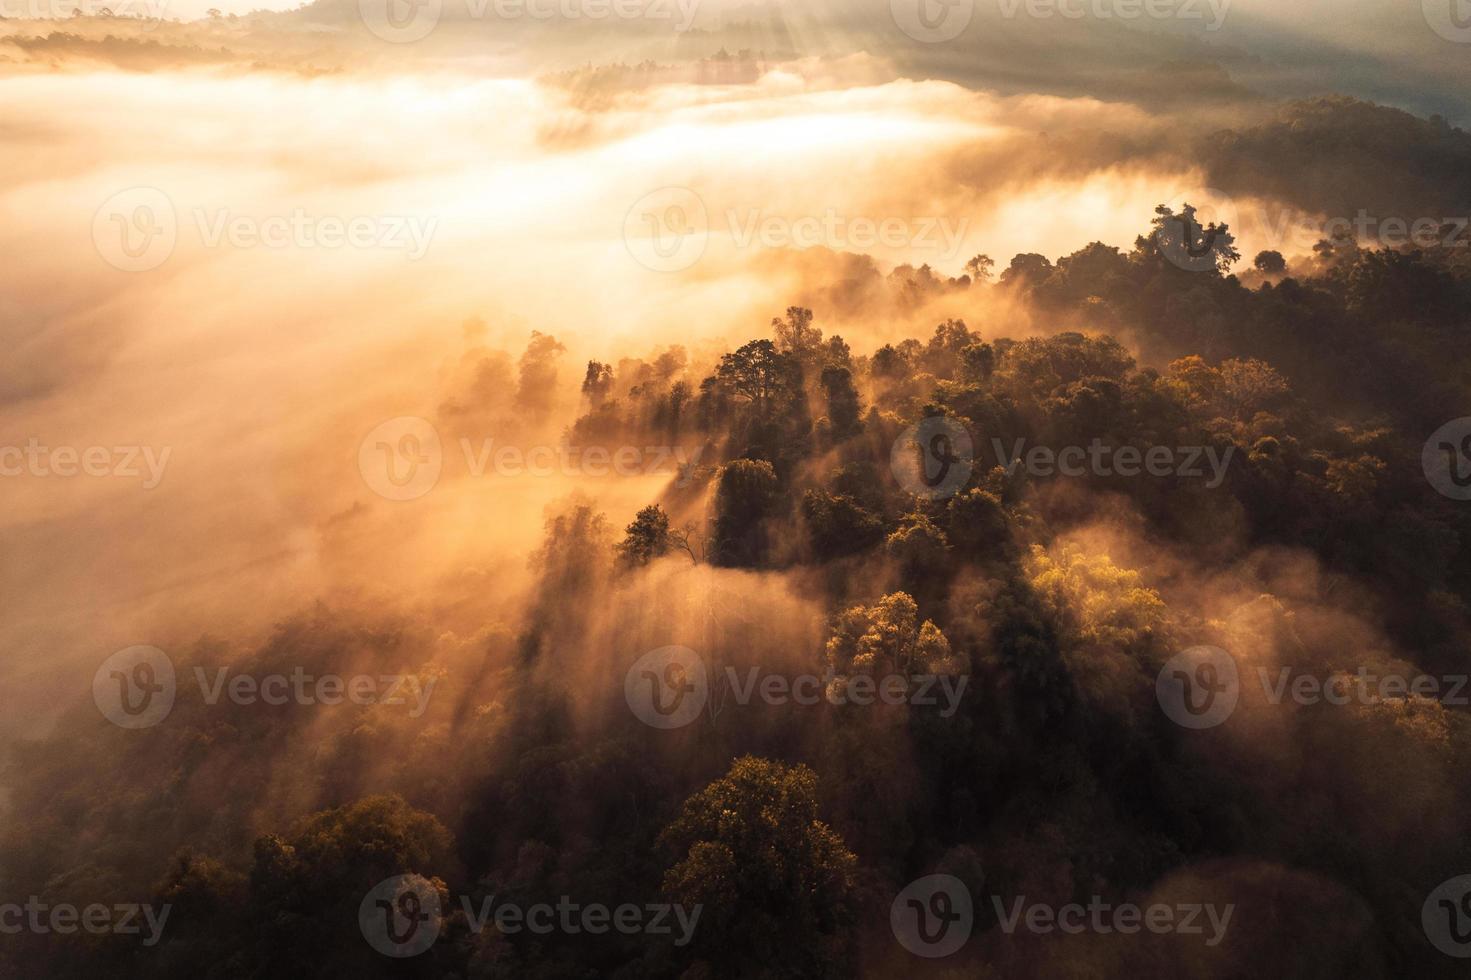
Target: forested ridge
(790, 543)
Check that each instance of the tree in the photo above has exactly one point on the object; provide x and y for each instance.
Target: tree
(760, 375)
(888, 638)
(942, 356)
(745, 497)
(979, 268)
(597, 383)
(838, 525)
(775, 884)
(977, 525)
(647, 538)
(796, 334)
(537, 384)
(978, 361)
(1182, 240)
(837, 353)
(1269, 262)
(922, 552)
(843, 407)
(303, 886)
(1029, 269)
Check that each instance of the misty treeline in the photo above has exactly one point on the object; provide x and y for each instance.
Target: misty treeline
(789, 545)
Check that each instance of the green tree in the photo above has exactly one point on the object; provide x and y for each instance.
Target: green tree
(838, 525)
(647, 538)
(746, 495)
(888, 638)
(979, 268)
(843, 406)
(796, 334)
(775, 884)
(1270, 262)
(760, 375)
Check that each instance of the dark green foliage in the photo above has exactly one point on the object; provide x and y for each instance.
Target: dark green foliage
(775, 882)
